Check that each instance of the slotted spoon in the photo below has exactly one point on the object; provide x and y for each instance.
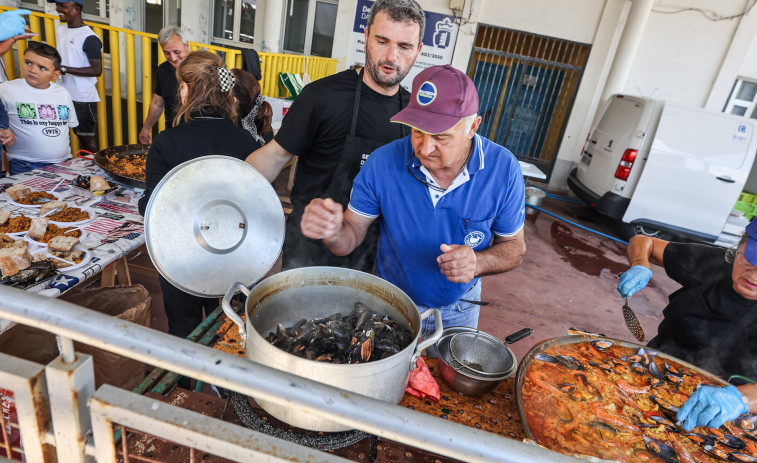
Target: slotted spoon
(632, 322)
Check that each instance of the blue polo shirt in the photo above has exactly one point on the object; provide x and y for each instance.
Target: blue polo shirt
(487, 198)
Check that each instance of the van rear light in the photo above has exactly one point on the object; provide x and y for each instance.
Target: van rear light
(625, 164)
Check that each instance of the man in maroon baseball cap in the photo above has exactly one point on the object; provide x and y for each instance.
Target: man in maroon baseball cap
(441, 97)
(451, 203)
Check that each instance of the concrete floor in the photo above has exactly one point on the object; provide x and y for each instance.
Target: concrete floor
(567, 279)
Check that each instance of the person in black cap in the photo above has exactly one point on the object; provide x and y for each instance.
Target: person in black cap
(711, 321)
(80, 48)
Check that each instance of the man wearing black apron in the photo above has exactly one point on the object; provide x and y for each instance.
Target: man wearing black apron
(711, 321)
(337, 121)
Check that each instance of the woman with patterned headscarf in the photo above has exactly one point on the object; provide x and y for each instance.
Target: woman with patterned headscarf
(253, 112)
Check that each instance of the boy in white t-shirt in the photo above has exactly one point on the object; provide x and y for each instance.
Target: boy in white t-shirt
(40, 111)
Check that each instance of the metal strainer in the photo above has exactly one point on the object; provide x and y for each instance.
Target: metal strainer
(481, 353)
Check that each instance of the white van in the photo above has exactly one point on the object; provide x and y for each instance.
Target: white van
(666, 170)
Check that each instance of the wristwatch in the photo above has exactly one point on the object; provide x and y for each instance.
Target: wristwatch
(63, 70)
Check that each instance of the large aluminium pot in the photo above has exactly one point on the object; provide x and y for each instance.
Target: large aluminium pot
(313, 292)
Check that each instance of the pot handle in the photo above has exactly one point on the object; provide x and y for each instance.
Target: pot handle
(434, 337)
(226, 304)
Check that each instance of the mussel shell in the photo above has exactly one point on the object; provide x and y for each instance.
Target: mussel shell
(655, 371)
(669, 425)
(746, 422)
(729, 441)
(661, 450)
(736, 456)
(24, 276)
(716, 452)
(602, 345)
(638, 368)
(664, 404)
(701, 439)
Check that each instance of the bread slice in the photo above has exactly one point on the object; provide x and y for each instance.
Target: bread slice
(97, 183)
(18, 191)
(38, 228)
(14, 259)
(5, 241)
(4, 215)
(52, 207)
(63, 243)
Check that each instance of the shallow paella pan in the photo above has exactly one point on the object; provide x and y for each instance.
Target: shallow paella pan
(585, 403)
(105, 157)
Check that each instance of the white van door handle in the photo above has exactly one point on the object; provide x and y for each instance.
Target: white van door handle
(726, 179)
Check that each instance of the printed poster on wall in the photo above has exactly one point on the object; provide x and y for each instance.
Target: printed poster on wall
(438, 41)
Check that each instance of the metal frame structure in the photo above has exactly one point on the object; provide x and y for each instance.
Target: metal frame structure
(527, 84)
(84, 419)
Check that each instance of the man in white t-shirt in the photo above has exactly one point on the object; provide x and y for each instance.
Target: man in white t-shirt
(81, 51)
(39, 110)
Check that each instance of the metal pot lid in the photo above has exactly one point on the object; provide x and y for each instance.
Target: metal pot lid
(212, 221)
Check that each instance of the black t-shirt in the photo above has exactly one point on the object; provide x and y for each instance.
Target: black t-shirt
(191, 140)
(315, 127)
(704, 322)
(167, 87)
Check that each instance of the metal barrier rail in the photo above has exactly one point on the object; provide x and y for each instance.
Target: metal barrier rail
(44, 25)
(393, 422)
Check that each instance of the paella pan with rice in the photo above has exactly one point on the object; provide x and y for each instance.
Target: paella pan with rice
(618, 401)
(124, 163)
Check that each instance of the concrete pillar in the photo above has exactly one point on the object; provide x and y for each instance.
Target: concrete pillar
(128, 14)
(466, 35)
(273, 23)
(196, 20)
(637, 20)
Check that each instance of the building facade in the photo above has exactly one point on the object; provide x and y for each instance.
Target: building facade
(543, 68)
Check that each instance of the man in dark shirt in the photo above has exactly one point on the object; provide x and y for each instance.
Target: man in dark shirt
(165, 96)
(337, 121)
(712, 320)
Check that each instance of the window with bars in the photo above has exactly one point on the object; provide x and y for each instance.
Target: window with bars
(743, 100)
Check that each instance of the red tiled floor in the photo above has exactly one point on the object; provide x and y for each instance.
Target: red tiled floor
(568, 279)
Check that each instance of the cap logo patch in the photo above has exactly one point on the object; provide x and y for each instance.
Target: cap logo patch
(426, 94)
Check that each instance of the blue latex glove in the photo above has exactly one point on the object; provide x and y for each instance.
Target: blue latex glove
(634, 279)
(712, 406)
(12, 24)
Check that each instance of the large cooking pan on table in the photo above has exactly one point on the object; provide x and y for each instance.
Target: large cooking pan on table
(214, 226)
(531, 363)
(105, 158)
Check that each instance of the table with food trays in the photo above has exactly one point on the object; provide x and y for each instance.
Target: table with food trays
(112, 229)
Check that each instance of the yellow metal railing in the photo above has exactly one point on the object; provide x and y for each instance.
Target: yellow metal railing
(112, 121)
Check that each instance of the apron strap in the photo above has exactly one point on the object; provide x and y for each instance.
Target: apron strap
(356, 103)
(404, 100)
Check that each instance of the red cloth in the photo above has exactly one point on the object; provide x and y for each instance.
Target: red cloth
(421, 384)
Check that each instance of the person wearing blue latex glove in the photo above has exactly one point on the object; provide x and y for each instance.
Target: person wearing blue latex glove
(710, 320)
(12, 23)
(633, 280)
(712, 406)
